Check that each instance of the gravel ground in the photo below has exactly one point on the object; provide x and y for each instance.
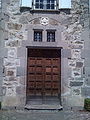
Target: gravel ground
(44, 115)
(31, 115)
(76, 115)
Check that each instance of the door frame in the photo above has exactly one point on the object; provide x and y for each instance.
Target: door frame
(44, 48)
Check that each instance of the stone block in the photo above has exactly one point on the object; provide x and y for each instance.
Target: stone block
(1, 92)
(22, 100)
(1, 79)
(65, 70)
(69, 72)
(71, 63)
(0, 98)
(87, 71)
(76, 91)
(6, 35)
(6, 17)
(23, 20)
(9, 84)
(11, 62)
(3, 52)
(11, 78)
(22, 52)
(68, 20)
(87, 45)
(79, 79)
(1, 71)
(12, 53)
(7, 1)
(25, 35)
(76, 72)
(13, 43)
(21, 71)
(75, 100)
(22, 80)
(85, 35)
(79, 64)
(1, 61)
(10, 101)
(14, 26)
(75, 84)
(11, 81)
(23, 61)
(10, 90)
(1, 39)
(66, 53)
(85, 91)
(2, 25)
(76, 53)
(87, 62)
(20, 90)
(10, 71)
(25, 43)
(85, 53)
(77, 45)
(0, 16)
(86, 22)
(87, 81)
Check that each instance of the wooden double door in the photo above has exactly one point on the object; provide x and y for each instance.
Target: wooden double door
(43, 73)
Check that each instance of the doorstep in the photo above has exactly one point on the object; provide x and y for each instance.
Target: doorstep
(43, 107)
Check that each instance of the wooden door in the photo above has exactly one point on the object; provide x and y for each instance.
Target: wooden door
(43, 73)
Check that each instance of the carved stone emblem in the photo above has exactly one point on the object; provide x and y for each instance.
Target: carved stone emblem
(44, 21)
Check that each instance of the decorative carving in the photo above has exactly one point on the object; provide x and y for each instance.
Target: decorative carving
(44, 20)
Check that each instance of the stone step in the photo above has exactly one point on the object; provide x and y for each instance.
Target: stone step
(43, 107)
(45, 102)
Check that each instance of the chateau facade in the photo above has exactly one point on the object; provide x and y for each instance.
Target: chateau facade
(44, 52)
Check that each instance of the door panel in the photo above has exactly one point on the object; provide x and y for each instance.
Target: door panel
(31, 61)
(48, 62)
(48, 70)
(43, 73)
(48, 77)
(31, 69)
(31, 84)
(39, 77)
(39, 69)
(55, 77)
(31, 77)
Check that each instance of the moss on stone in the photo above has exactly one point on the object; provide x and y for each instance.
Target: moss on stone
(87, 104)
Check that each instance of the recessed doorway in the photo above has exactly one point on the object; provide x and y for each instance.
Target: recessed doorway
(43, 76)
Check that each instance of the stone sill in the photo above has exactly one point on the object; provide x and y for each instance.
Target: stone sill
(24, 9)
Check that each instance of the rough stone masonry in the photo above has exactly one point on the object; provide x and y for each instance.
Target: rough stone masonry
(16, 33)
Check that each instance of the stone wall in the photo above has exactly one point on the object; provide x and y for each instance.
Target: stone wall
(72, 36)
(77, 34)
(85, 91)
